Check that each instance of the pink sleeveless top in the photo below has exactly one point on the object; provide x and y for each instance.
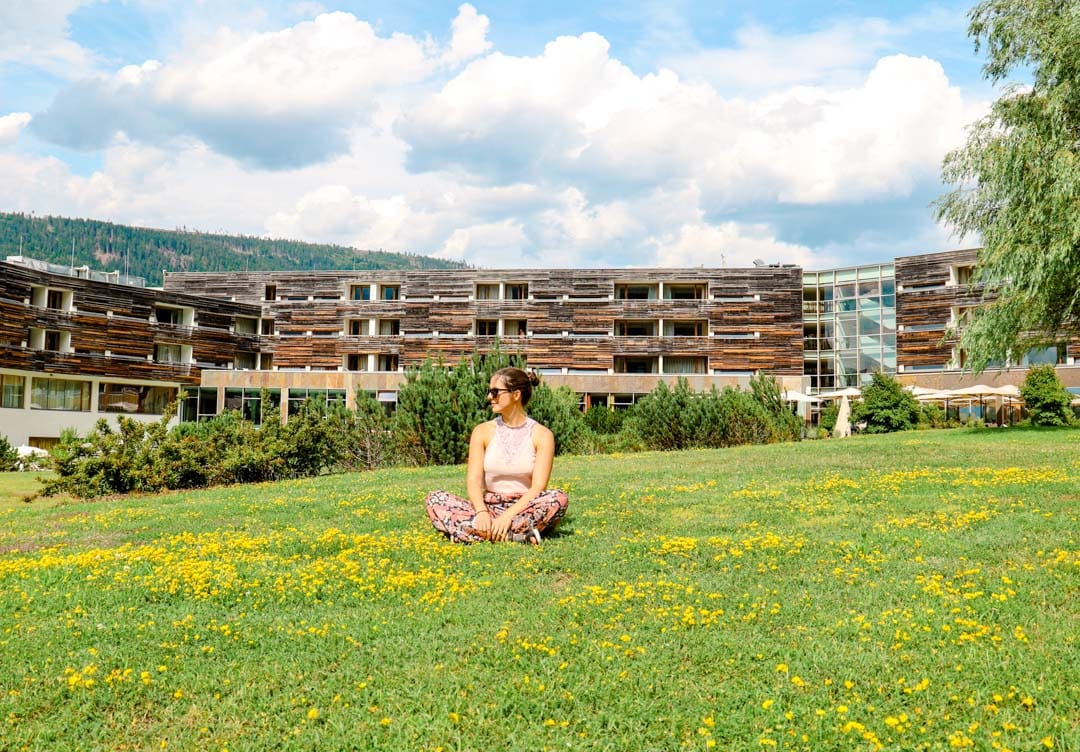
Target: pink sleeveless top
(509, 459)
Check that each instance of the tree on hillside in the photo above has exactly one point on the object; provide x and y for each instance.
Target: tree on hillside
(1018, 179)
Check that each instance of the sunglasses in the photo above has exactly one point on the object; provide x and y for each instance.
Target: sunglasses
(493, 392)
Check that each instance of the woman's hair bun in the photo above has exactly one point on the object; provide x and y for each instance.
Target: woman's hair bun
(534, 377)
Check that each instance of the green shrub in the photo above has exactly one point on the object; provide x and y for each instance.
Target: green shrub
(603, 420)
(885, 406)
(9, 457)
(932, 416)
(1046, 400)
(559, 410)
(668, 419)
(438, 407)
(828, 417)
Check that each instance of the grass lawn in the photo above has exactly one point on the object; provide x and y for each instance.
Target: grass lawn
(913, 591)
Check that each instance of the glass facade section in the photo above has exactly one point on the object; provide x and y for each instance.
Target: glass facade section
(297, 398)
(849, 325)
(249, 402)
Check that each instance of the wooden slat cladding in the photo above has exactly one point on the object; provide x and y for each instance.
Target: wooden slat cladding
(926, 293)
(570, 314)
(110, 328)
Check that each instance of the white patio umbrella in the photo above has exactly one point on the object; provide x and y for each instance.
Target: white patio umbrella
(792, 395)
(839, 393)
(843, 419)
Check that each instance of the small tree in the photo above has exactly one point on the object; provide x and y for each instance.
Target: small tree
(1045, 398)
(9, 457)
(886, 406)
(668, 419)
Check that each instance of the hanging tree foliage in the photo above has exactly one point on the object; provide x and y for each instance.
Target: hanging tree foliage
(1018, 180)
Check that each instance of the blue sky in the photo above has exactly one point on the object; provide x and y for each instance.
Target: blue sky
(508, 135)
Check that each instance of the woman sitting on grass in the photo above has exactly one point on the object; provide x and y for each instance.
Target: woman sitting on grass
(509, 466)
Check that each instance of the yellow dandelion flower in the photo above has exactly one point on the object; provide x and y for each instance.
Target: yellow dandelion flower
(312, 714)
(1048, 742)
(767, 704)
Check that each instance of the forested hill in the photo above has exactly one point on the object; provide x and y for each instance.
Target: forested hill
(143, 252)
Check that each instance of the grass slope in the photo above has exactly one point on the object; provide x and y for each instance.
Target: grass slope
(913, 591)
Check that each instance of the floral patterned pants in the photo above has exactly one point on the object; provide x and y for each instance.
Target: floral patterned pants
(453, 515)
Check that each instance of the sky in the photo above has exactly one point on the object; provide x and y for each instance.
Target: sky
(508, 135)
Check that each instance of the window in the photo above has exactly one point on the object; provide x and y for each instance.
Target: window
(52, 341)
(486, 328)
(388, 362)
(389, 328)
(358, 327)
(245, 361)
(635, 328)
(174, 316)
(517, 291)
(961, 316)
(389, 292)
(515, 328)
(267, 326)
(487, 292)
(636, 364)
(168, 353)
(249, 402)
(963, 275)
(270, 292)
(131, 398)
(690, 364)
(55, 300)
(60, 394)
(631, 291)
(356, 362)
(359, 292)
(11, 391)
(684, 292)
(246, 325)
(199, 404)
(1038, 356)
(685, 329)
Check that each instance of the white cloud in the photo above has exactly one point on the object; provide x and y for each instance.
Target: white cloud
(469, 36)
(36, 34)
(728, 244)
(273, 99)
(493, 245)
(764, 60)
(576, 116)
(11, 125)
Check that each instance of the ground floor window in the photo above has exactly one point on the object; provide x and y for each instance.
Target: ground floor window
(297, 397)
(12, 391)
(60, 394)
(132, 398)
(199, 404)
(249, 402)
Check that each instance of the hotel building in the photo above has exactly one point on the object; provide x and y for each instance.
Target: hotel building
(76, 346)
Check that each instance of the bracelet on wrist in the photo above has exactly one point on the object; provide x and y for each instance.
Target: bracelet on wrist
(483, 511)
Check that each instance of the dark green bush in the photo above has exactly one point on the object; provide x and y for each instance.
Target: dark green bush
(9, 457)
(603, 420)
(1046, 400)
(885, 406)
(559, 410)
(932, 416)
(679, 418)
(828, 417)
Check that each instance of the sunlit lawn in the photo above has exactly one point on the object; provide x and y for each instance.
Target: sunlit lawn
(915, 591)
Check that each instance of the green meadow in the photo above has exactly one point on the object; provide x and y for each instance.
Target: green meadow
(915, 591)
